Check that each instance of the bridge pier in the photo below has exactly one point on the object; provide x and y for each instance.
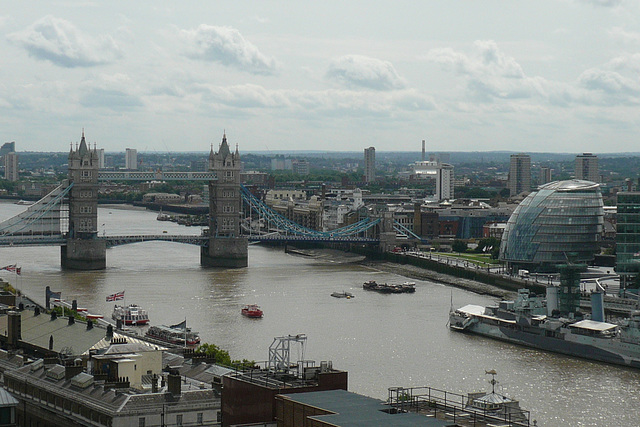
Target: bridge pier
(84, 254)
(229, 252)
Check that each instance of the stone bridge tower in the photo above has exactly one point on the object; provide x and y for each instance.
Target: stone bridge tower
(226, 247)
(83, 250)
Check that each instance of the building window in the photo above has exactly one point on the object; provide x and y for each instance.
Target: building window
(85, 209)
(141, 422)
(199, 417)
(86, 174)
(227, 209)
(179, 419)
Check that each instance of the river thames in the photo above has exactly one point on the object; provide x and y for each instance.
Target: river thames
(381, 340)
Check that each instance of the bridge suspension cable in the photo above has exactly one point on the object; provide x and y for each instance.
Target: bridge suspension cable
(43, 217)
(288, 226)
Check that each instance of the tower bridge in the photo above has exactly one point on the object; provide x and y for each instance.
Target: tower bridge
(68, 216)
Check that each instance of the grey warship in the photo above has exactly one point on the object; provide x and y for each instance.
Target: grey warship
(554, 323)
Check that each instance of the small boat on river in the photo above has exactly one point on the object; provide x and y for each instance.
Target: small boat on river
(343, 294)
(176, 334)
(131, 315)
(252, 310)
(405, 288)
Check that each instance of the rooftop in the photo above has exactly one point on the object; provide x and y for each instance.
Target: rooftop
(355, 410)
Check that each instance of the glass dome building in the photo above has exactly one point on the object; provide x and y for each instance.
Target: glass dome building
(562, 220)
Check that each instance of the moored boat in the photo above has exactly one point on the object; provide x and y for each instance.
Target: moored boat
(131, 315)
(543, 323)
(343, 294)
(163, 216)
(405, 288)
(175, 334)
(252, 310)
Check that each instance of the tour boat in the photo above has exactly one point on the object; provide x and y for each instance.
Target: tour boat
(175, 334)
(130, 315)
(252, 310)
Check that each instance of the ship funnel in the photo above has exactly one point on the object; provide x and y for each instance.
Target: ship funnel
(597, 307)
(552, 299)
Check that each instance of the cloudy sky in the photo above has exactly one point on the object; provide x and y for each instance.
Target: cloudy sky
(534, 76)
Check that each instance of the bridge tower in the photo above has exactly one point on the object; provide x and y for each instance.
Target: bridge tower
(83, 250)
(226, 247)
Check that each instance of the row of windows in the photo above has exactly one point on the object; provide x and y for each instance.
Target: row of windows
(86, 209)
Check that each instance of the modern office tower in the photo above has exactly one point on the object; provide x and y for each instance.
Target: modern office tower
(8, 147)
(545, 175)
(587, 167)
(519, 174)
(131, 159)
(11, 166)
(444, 182)
(628, 236)
(369, 164)
(561, 219)
(101, 158)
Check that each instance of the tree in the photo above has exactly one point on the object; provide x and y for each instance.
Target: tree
(459, 246)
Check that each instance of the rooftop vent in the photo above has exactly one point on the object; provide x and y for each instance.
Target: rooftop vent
(82, 380)
(56, 372)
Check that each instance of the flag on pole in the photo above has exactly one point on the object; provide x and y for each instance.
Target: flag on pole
(181, 325)
(115, 297)
(12, 268)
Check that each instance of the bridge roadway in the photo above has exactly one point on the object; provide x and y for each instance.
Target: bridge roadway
(111, 241)
(155, 176)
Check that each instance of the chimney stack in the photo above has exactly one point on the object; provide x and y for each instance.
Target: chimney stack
(14, 326)
(173, 380)
(423, 147)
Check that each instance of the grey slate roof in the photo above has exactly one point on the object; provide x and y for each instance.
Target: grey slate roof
(36, 330)
(6, 399)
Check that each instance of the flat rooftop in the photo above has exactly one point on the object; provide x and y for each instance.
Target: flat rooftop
(355, 410)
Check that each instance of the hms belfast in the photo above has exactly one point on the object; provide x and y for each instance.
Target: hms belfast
(554, 323)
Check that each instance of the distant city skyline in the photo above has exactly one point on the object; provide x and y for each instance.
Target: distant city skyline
(463, 76)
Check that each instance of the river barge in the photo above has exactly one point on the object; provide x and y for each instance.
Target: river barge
(384, 288)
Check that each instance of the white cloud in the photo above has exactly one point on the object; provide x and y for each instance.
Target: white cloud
(362, 71)
(108, 98)
(603, 3)
(611, 83)
(60, 42)
(227, 46)
(489, 72)
(621, 34)
(348, 103)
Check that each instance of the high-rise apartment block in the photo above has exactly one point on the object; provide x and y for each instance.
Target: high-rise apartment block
(300, 167)
(587, 167)
(10, 166)
(519, 174)
(369, 164)
(545, 175)
(8, 147)
(444, 182)
(101, 158)
(131, 159)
